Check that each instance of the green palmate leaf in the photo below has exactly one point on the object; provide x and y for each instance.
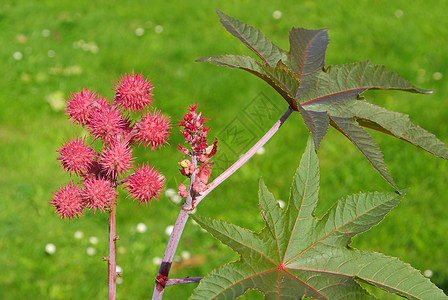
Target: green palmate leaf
(365, 143)
(396, 124)
(307, 54)
(317, 123)
(321, 93)
(336, 82)
(281, 79)
(298, 255)
(307, 50)
(253, 38)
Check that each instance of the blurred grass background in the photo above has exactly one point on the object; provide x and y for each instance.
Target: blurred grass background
(49, 48)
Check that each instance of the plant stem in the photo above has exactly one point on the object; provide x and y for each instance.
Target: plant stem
(112, 258)
(188, 205)
(183, 280)
(162, 277)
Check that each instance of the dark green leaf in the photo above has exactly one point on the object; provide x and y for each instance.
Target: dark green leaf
(339, 82)
(365, 143)
(395, 124)
(320, 93)
(253, 38)
(298, 255)
(316, 122)
(281, 79)
(307, 53)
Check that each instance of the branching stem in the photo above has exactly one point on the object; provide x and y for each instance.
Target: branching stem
(162, 277)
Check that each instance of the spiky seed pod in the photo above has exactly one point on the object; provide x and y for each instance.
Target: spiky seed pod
(116, 159)
(153, 130)
(133, 92)
(145, 184)
(75, 156)
(98, 194)
(67, 201)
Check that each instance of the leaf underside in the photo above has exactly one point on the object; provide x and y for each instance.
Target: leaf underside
(323, 94)
(297, 255)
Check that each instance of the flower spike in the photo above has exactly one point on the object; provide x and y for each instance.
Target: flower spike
(133, 92)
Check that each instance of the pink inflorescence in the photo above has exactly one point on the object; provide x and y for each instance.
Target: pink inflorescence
(110, 123)
(98, 194)
(153, 130)
(116, 158)
(68, 201)
(145, 184)
(76, 156)
(195, 134)
(105, 122)
(133, 92)
(79, 106)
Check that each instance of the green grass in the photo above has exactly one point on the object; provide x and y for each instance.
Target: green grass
(413, 45)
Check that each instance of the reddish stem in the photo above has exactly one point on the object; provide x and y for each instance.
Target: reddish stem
(112, 258)
(182, 280)
(188, 205)
(162, 277)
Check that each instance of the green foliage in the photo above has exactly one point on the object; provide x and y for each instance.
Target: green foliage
(297, 255)
(330, 95)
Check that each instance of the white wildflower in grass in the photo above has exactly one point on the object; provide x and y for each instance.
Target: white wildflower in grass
(158, 29)
(169, 229)
(78, 234)
(398, 13)
(157, 260)
(277, 14)
(176, 199)
(17, 55)
(93, 240)
(139, 31)
(428, 273)
(94, 48)
(261, 151)
(45, 32)
(51, 53)
(85, 47)
(90, 251)
(78, 44)
(141, 227)
(50, 248)
(437, 76)
(185, 255)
